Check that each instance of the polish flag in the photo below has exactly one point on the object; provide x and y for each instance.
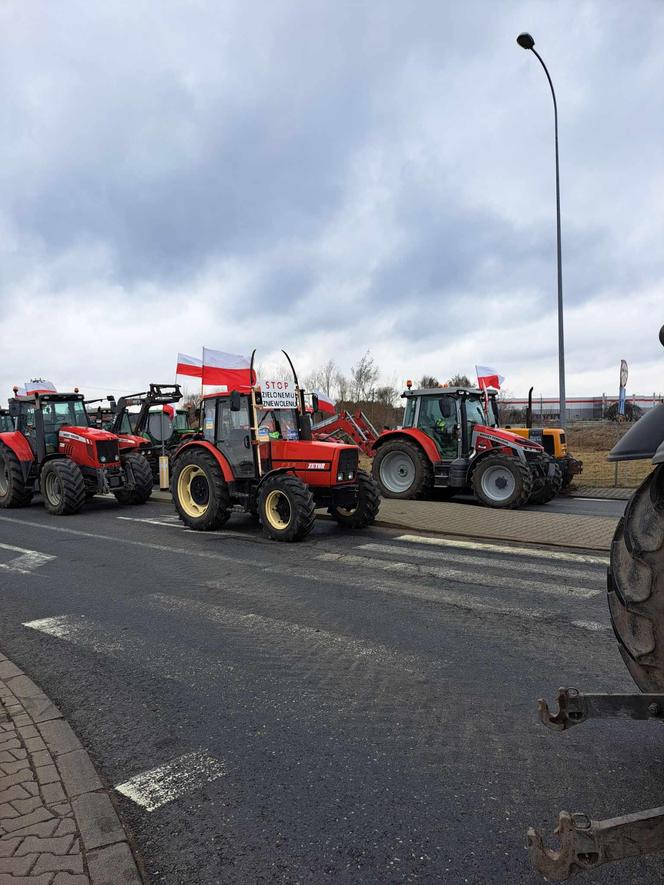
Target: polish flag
(189, 365)
(169, 411)
(227, 370)
(487, 377)
(325, 404)
(38, 385)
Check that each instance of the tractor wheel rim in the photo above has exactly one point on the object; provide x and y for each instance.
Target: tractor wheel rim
(4, 478)
(498, 483)
(397, 472)
(278, 509)
(53, 489)
(193, 490)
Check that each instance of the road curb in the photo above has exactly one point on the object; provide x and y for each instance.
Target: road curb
(57, 821)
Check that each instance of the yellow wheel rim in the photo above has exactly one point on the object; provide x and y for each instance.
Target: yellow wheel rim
(193, 490)
(278, 509)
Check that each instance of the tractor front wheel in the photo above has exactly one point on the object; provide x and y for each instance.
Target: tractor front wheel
(502, 481)
(551, 485)
(200, 493)
(636, 585)
(286, 508)
(62, 487)
(368, 503)
(402, 470)
(137, 468)
(13, 490)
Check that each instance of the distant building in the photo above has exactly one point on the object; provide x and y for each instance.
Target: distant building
(589, 408)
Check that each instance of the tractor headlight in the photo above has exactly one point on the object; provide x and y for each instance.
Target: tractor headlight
(103, 459)
(351, 475)
(340, 477)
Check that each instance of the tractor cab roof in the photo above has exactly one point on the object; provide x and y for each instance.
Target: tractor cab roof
(48, 398)
(446, 391)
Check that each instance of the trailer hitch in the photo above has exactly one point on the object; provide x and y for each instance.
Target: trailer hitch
(586, 844)
(575, 708)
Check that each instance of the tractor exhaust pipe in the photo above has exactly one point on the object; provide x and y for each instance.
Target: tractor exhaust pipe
(529, 410)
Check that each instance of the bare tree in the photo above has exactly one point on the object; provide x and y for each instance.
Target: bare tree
(429, 381)
(386, 396)
(460, 380)
(343, 386)
(364, 376)
(327, 376)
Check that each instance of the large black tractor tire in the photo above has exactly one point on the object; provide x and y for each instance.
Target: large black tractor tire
(549, 487)
(368, 504)
(142, 477)
(13, 489)
(200, 493)
(62, 487)
(636, 584)
(402, 470)
(286, 508)
(502, 481)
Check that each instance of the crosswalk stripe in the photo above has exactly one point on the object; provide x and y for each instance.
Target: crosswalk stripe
(505, 548)
(159, 786)
(27, 562)
(460, 575)
(444, 557)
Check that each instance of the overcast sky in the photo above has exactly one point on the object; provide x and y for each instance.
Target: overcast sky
(330, 176)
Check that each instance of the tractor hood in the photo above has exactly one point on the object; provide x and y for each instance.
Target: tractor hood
(85, 434)
(644, 440)
(505, 437)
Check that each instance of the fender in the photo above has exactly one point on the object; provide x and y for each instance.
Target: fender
(414, 435)
(18, 444)
(644, 440)
(275, 472)
(216, 454)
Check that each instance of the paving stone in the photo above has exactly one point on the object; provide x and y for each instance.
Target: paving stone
(67, 879)
(15, 792)
(35, 745)
(19, 754)
(59, 737)
(41, 758)
(18, 866)
(51, 863)
(77, 772)
(25, 806)
(43, 830)
(63, 809)
(6, 756)
(52, 794)
(47, 774)
(113, 865)
(7, 670)
(7, 810)
(14, 766)
(8, 846)
(26, 820)
(29, 731)
(67, 825)
(11, 744)
(44, 879)
(54, 845)
(31, 787)
(21, 777)
(97, 821)
(22, 718)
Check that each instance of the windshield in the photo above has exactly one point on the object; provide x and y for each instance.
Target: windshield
(475, 413)
(72, 413)
(409, 415)
(277, 424)
(180, 421)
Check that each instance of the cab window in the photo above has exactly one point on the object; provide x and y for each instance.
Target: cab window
(475, 413)
(409, 414)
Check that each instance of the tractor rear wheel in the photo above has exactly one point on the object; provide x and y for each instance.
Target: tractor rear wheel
(368, 503)
(402, 470)
(502, 481)
(200, 493)
(551, 486)
(62, 487)
(13, 490)
(636, 583)
(286, 508)
(136, 465)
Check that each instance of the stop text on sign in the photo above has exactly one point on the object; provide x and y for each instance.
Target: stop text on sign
(278, 394)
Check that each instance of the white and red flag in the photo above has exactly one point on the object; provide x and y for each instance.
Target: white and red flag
(37, 385)
(229, 370)
(325, 404)
(488, 377)
(189, 365)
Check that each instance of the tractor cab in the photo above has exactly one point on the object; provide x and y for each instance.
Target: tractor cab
(448, 416)
(41, 417)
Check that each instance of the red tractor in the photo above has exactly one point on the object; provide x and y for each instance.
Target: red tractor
(449, 442)
(261, 459)
(54, 450)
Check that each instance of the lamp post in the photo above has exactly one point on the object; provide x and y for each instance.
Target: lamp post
(527, 42)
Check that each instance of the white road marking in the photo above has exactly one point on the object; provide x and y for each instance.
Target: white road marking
(156, 521)
(504, 548)
(468, 559)
(155, 788)
(593, 626)
(27, 562)
(463, 576)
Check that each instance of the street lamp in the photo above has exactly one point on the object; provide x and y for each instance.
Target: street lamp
(527, 42)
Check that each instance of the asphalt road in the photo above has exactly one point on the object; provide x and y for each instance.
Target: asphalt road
(353, 709)
(569, 504)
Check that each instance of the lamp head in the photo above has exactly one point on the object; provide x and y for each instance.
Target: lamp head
(525, 41)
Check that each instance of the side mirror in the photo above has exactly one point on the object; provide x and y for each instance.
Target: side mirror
(236, 401)
(447, 410)
(112, 405)
(314, 402)
(661, 336)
